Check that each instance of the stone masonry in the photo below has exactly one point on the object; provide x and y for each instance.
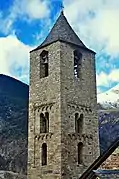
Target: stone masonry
(68, 146)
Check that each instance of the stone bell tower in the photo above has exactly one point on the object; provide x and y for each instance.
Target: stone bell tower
(63, 124)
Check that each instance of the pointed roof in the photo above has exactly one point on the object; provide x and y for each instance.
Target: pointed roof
(62, 31)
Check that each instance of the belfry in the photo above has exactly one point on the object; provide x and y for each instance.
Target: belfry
(63, 124)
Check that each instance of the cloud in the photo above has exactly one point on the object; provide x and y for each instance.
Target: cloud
(14, 58)
(32, 9)
(97, 22)
(114, 75)
(24, 10)
(99, 90)
(106, 80)
(103, 79)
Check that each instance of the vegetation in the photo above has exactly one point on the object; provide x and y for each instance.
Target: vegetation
(14, 120)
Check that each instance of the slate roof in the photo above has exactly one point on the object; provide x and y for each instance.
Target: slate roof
(107, 174)
(106, 171)
(62, 31)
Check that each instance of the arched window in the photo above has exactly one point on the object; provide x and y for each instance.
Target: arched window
(44, 64)
(78, 123)
(44, 123)
(80, 153)
(76, 119)
(44, 154)
(47, 121)
(77, 63)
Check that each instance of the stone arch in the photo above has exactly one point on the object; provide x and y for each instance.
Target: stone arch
(80, 153)
(44, 64)
(44, 154)
(77, 63)
(78, 123)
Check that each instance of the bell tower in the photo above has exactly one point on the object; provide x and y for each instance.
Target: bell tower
(63, 124)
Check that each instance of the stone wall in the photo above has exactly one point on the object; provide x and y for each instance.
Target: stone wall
(45, 97)
(62, 95)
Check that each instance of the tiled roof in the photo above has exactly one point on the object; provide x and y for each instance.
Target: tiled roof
(96, 164)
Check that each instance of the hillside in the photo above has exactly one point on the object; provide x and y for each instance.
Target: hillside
(13, 87)
(14, 120)
(108, 127)
(108, 112)
(13, 124)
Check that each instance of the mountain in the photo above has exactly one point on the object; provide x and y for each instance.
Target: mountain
(13, 124)
(14, 120)
(110, 98)
(108, 127)
(108, 115)
(15, 88)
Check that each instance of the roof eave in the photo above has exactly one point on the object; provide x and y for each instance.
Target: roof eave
(42, 46)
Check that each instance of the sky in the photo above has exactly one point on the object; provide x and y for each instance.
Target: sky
(24, 24)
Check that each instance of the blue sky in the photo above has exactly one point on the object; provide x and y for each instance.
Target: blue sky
(24, 24)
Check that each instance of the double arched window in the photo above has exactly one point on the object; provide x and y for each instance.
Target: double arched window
(78, 123)
(44, 64)
(44, 122)
(77, 63)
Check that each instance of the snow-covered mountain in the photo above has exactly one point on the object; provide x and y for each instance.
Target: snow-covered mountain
(110, 98)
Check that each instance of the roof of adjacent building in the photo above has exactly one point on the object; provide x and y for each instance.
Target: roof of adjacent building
(90, 172)
(106, 171)
(62, 31)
